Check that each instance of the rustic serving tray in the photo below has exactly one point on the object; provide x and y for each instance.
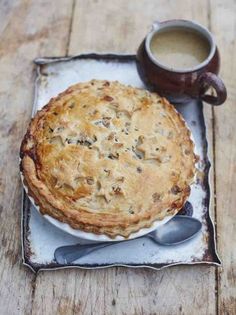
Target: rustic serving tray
(40, 238)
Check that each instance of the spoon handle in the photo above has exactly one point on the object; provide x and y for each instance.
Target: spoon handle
(68, 254)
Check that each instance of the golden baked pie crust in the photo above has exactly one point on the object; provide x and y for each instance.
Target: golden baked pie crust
(108, 158)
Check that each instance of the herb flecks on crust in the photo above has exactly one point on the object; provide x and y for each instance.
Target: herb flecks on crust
(108, 158)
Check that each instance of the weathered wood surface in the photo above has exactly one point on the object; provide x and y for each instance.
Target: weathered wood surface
(28, 29)
(38, 28)
(223, 24)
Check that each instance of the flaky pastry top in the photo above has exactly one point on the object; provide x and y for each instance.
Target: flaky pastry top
(108, 158)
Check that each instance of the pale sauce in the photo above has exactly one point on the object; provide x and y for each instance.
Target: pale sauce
(179, 48)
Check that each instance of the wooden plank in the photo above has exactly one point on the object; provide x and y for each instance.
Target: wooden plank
(223, 21)
(28, 29)
(120, 25)
(116, 291)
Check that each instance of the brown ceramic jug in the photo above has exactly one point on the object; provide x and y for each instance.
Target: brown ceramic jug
(182, 85)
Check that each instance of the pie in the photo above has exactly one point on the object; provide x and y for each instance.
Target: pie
(108, 158)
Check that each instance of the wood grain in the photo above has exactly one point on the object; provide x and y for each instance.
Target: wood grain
(125, 291)
(119, 26)
(37, 28)
(223, 24)
(28, 29)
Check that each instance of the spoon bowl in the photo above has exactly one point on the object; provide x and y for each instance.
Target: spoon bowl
(176, 231)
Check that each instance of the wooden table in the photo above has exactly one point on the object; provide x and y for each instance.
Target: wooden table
(30, 29)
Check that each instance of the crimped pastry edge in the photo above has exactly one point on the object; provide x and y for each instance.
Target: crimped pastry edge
(36, 191)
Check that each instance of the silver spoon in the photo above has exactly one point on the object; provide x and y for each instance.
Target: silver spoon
(174, 232)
